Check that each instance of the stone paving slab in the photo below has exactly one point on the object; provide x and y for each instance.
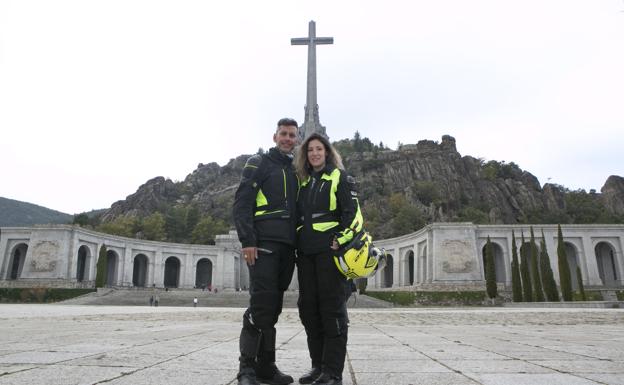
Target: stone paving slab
(76, 345)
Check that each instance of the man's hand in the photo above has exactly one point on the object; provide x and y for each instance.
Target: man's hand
(250, 254)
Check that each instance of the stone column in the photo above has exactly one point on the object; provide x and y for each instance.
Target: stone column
(159, 269)
(151, 262)
(4, 255)
(127, 266)
(429, 258)
(219, 270)
(93, 266)
(187, 280)
(73, 256)
(508, 258)
(396, 268)
(619, 260)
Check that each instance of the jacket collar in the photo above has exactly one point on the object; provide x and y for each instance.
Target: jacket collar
(279, 156)
(327, 170)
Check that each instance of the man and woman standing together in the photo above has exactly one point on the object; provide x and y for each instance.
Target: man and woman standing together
(282, 204)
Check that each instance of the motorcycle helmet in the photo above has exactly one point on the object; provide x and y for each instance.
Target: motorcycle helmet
(359, 258)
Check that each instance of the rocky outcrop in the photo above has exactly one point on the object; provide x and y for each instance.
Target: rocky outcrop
(613, 194)
(433, 176)
(154, 195)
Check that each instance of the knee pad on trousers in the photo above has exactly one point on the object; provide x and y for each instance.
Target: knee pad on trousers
(333, 327)
(264, 306)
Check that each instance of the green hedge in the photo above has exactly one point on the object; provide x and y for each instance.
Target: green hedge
(590, 295)
(620, 295)
(436, 298)
(403, 298)
(39, 294)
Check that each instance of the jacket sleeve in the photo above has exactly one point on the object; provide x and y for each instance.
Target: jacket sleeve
(351, 221)
(245, 202)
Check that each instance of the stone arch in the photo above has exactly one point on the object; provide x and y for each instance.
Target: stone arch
(410, 267)
(139, 271)
(422, 266)
(573, 262)
(112, 263)
(499, 261)
(16, 262)
(172, 272)
(605, 259)
(388, 272)
(83, 262)
(203, 273)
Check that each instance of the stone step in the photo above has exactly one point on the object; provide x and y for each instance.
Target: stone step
(608, 295)
(184, 297)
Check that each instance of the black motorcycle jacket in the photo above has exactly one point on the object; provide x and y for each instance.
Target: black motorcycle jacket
(328, 209)
(265, 201)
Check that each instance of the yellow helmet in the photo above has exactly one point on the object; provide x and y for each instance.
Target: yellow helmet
(359, 259)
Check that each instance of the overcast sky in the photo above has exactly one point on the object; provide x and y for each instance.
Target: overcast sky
(97, 97)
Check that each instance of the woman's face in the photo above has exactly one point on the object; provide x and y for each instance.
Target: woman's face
(316, 154)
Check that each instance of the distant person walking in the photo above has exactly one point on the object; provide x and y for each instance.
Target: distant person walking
(151, 301)
(195, 302)
(156, 300)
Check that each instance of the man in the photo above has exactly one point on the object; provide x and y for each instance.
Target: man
(265, 219)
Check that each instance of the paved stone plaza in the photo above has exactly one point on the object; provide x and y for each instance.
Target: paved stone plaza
(64, 344)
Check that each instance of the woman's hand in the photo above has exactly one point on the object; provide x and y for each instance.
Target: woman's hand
(335, 245)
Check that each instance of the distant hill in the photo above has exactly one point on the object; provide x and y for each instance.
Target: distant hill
(17, 213)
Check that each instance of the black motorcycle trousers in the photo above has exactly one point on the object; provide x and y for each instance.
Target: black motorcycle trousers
(269, 277)
(323, 311)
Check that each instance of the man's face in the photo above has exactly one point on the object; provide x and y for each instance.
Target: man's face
(286, 138)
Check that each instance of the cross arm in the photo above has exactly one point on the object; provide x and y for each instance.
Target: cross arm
(324, 40)
(315, 40)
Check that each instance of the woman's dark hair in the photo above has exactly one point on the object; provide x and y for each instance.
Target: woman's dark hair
(301, 158)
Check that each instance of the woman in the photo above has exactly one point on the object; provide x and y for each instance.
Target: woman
(329, 217)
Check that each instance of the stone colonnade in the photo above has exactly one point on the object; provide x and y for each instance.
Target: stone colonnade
(66, 256)
(440, 256)
(450, 255)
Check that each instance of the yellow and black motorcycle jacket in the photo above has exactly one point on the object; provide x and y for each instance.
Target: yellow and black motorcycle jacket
(265, 202)
(328, 209)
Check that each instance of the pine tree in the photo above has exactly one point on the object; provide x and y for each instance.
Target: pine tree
(100, 274)
(579, 279)
(538, 294)
(526, 276)
(516, 283)
(490, 271)
(564, 269)
(548, 280)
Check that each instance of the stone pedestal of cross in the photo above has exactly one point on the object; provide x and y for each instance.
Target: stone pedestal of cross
(311, 122)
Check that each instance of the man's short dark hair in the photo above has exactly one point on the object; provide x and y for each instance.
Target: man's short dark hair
(287, 122)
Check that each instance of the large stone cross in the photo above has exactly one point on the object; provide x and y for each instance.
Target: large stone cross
(311, 122)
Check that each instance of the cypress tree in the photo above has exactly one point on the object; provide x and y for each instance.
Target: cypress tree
(490, 271)
(538, 294)
(100, 275)
(564, 269)
(579, 279)
(516, 284)
(524, 271)
(550, 286)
